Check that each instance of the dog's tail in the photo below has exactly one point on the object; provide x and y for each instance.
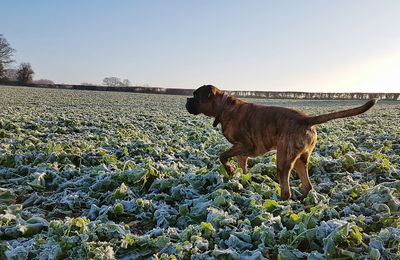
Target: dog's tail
(314, 120)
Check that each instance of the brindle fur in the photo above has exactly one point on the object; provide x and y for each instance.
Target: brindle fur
(255, 129)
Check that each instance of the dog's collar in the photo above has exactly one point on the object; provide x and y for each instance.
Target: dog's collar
(219, 111)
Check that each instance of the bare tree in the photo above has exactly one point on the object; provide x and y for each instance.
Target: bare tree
(25, 73)
(126, 83)
(112, 82)
(6, 52)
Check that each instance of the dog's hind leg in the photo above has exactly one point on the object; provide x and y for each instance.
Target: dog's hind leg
(285, 164)
(242, 162)
(301, 167)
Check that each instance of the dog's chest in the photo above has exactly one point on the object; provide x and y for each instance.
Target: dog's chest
(229, 132)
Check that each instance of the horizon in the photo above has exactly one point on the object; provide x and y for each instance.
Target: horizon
(279, 47)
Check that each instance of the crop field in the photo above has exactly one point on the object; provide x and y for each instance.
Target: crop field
(107, 175)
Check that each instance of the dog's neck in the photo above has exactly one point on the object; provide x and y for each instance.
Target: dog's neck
(219, 110)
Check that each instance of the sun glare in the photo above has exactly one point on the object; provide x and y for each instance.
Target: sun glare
(369, 74)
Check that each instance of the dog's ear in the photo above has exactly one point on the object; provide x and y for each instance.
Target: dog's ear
(212, 91)
(206, 92)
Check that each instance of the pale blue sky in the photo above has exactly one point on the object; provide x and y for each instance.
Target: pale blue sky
(248, 45)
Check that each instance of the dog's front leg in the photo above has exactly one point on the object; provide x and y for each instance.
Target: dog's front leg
(242, 162)
(236, 150)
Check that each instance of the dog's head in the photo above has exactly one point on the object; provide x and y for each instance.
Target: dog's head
(202, 101)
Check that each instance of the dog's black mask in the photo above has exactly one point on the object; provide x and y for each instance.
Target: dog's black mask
(192, 106)
(201, 97)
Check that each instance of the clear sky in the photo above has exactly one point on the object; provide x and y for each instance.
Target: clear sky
(323, 46)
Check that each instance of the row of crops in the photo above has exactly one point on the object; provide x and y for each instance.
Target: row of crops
(104, 175)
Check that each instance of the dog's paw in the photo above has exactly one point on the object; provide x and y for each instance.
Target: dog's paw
(230, 170)
(285, 195)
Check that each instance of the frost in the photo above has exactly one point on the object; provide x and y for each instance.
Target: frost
(89, 175)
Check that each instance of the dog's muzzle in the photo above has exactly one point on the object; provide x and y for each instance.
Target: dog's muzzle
(192, 106)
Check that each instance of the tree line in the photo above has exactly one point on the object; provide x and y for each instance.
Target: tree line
(241, 94)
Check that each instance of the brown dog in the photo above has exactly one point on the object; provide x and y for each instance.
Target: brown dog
(255, 129)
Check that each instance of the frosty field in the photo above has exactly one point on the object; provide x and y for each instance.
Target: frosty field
(104, 175)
